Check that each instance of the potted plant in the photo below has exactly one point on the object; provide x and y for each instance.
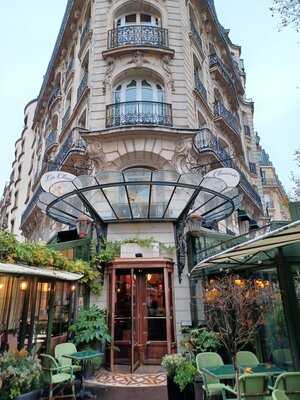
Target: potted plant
(199, 340)
(20, 377)
(181, 375)
(90, 331)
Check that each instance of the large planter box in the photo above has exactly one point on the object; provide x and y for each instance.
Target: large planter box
(174, 392)
(35, 395)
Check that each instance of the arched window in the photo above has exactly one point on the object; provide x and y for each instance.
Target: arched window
(139, 90)
(138, 18)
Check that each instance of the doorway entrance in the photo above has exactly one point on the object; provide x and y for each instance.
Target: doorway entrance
(141, 312)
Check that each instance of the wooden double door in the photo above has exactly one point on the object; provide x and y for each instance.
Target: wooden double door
(141, 315)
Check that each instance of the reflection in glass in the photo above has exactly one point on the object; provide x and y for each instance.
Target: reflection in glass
(139, 200)
(156, 308)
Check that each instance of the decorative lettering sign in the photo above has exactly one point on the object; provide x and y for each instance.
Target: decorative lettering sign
(49, 179)
(230, 176)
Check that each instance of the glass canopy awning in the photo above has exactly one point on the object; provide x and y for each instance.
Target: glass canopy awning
(137, 194)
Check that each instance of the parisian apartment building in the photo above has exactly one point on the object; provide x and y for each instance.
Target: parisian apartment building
(137, 90)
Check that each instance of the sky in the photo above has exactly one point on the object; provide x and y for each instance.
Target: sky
(272, 60)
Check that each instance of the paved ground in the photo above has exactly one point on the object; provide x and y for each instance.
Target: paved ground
(147, 383)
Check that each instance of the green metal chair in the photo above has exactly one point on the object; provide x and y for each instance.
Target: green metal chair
(252, 387)
(212, 386)
(279, 395)
(62, 350)
(56, 376)
(247, 359)
(289, 382)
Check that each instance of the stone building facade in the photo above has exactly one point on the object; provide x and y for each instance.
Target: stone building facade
(156, 85)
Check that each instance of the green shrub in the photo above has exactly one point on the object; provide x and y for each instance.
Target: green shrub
(19, 374)
(90, 327)
(200, 340)
(171, 363)
(185, 375)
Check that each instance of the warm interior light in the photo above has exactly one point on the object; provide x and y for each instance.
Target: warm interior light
(45, 287)
(73, 287)
(149, 277)
(1, 286)
(24, 285)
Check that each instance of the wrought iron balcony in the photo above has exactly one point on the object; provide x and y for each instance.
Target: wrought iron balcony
(66, 117)
(139, 113)
(82, 86)
(55, 94)
(215, 61)
(85, 31)
(196, 35)
(51, 140)
(138, 35)
(200, 88)
(73, 143)
(231, 120)
(31, 205)
(206, 141)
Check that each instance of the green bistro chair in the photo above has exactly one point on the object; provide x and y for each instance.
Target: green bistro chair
(247, 359)
(56, 376)
(279, 395)
(62, 350)
(289, 382)
(252, 387)
(212, 386)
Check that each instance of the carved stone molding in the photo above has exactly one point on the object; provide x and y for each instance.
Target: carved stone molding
(185, 158)
(108, 75)
(165, 63)
(138, 59)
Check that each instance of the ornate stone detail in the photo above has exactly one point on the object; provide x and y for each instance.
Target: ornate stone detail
(138, 59)
(184, 159)
(108, 75)
(96, 155)
(165, 63)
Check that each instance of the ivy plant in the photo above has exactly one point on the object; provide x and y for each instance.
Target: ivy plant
(35, 254)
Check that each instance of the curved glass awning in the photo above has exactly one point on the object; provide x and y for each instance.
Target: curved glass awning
(137, 194)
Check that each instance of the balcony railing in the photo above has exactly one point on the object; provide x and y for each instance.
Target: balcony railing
(51, 140)
(138, 35)
(139, 113)
(200, 87)
(208, 141)
(231, 120)
(82, 86)
(66, 117)
(214, 60)
(73, 143)
(86, 29)
(196, 34)
(56, 93)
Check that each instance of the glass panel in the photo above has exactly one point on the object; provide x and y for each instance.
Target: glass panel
(160, 197)
(160, 94)
(145, 19)
(156, 308)
(109, 177)
(147, 91)
(130, 19)
(123, 294)
(139, 200)
(179, 201)
(191, 179)
(274, 337)
(118, 199)
(165, 176)
(100, 204)
(84, 181)
(137, 174)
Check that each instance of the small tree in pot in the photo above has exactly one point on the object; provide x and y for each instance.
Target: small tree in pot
(235, 309)
(90, 330)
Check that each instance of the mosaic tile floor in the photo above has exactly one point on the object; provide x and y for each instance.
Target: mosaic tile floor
(119, 379)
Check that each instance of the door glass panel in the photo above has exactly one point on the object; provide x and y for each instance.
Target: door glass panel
(156, 308)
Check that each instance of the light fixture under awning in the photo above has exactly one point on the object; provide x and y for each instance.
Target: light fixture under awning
(22, 270)
(286, 235)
